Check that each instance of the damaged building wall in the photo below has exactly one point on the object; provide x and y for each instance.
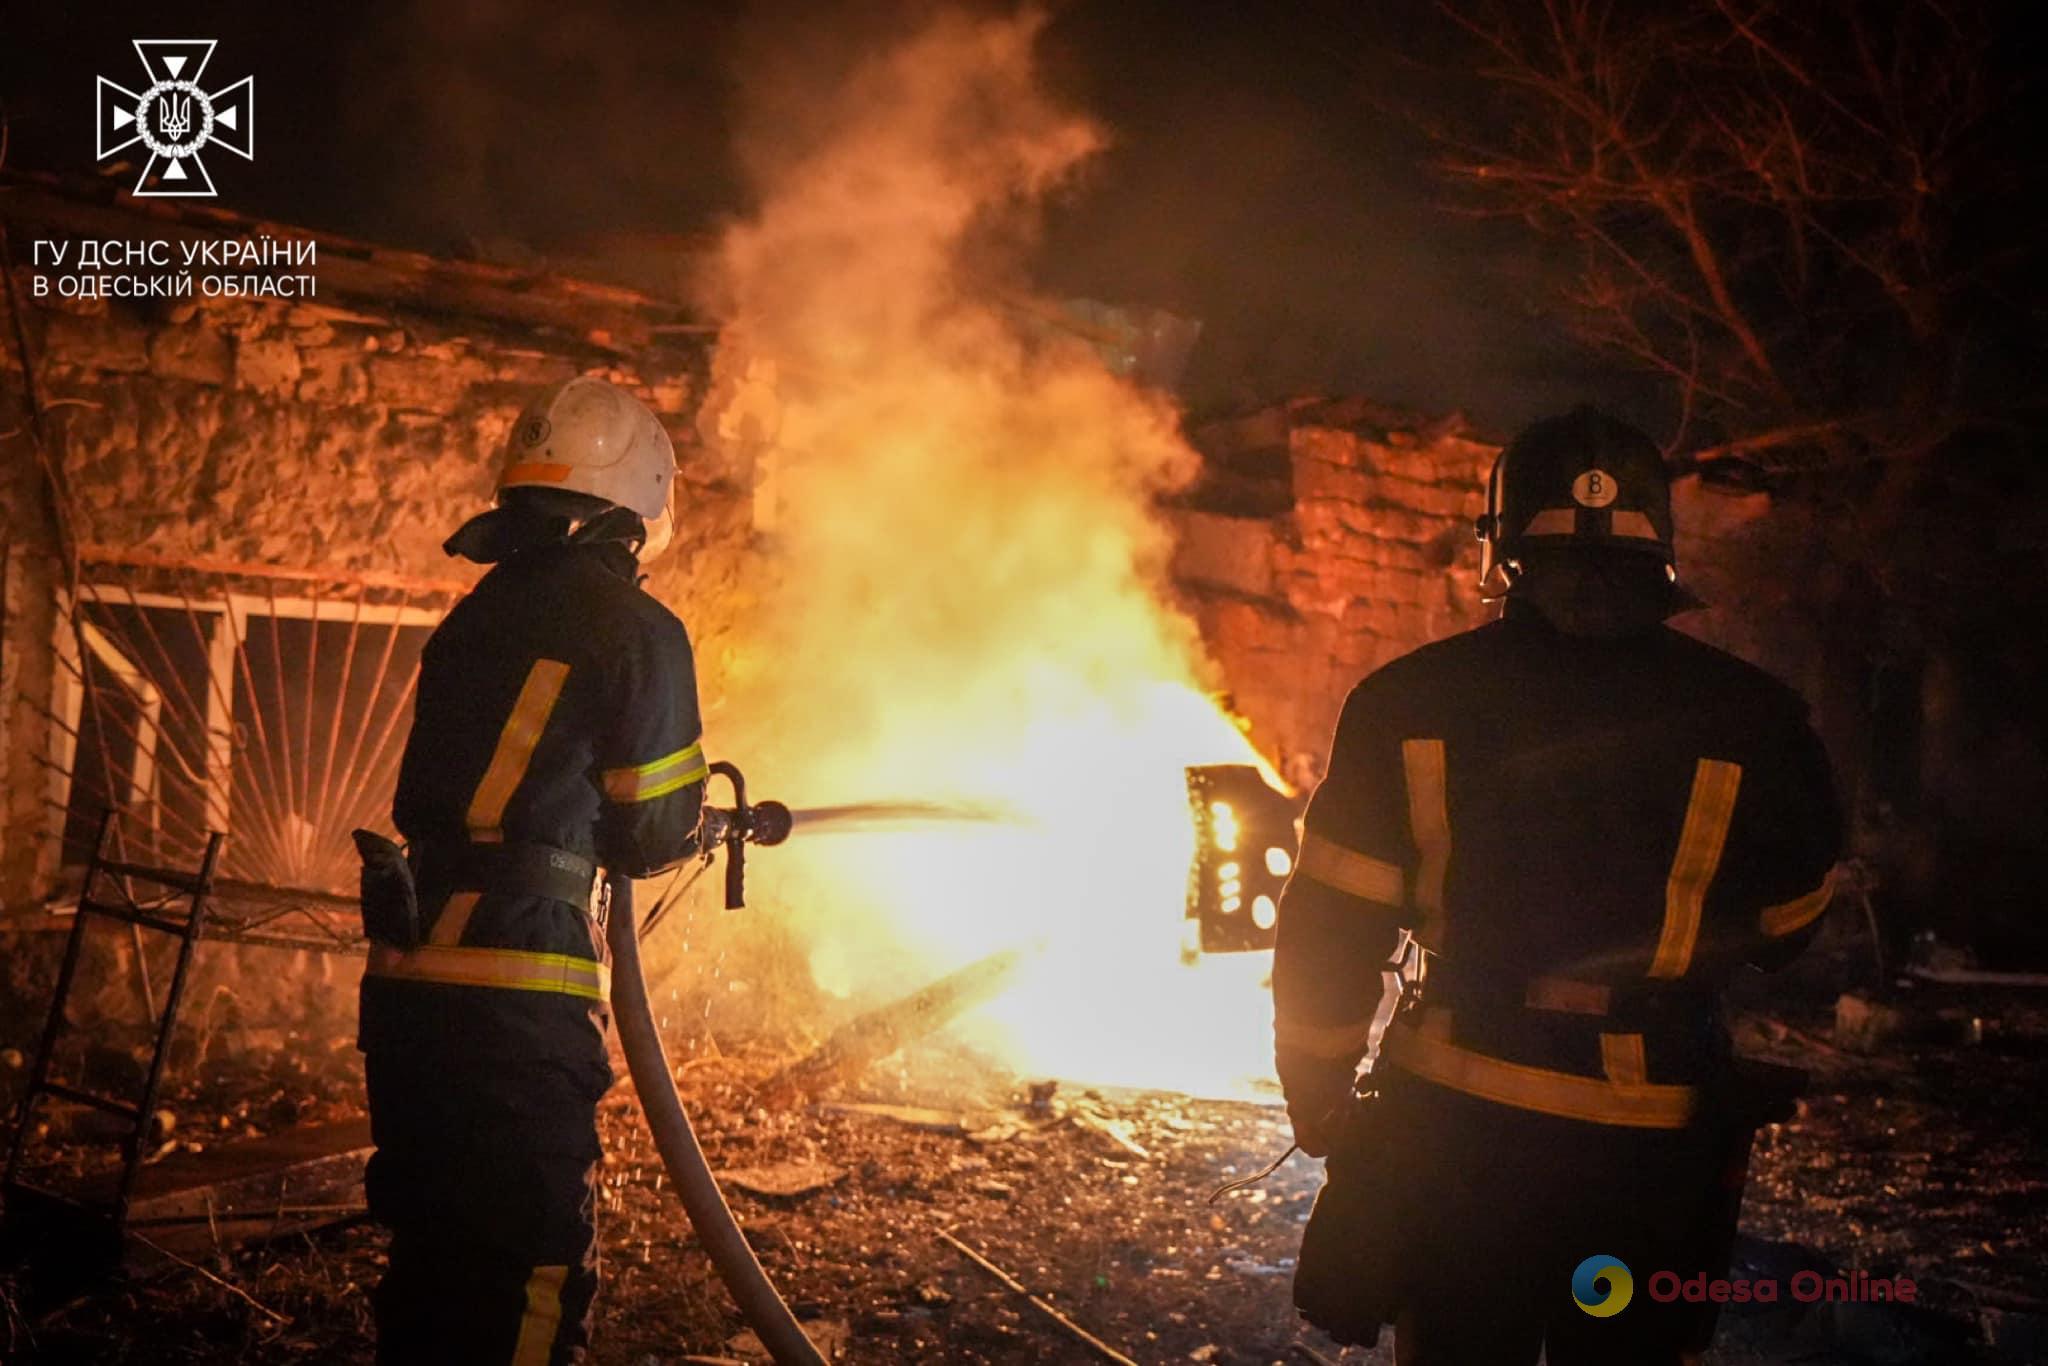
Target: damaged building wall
(351, 434)
(347, 435)
(301, 448)
(1337, 535)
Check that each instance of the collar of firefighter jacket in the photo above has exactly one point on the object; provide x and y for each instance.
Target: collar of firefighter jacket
(498, 533)
(1576, 611)
(515, 533)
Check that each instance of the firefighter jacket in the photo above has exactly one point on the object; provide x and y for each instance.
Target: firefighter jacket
(555, 732)
(1587, 835)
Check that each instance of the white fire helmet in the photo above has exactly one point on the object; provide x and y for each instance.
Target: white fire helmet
(590, 436)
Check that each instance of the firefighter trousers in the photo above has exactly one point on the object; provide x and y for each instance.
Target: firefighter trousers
(1463, 1222)
(486, 1174)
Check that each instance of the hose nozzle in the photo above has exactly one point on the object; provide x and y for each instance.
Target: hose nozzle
(737, 826)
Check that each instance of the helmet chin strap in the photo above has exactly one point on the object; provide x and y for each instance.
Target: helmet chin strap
(1499, 578)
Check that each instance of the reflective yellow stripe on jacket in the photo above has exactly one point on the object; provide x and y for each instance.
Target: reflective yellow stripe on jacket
(657, 778)
(516, 742)
(1347, 870)
(1429, 825)
(1790, 916)
(1620, 1099)
(1707, 814)
(510, 969)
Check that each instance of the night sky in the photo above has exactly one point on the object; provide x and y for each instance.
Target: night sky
(1260, 179)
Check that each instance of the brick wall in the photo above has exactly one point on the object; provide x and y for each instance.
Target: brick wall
(1337, 537)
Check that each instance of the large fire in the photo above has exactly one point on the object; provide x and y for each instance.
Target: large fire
(970, 600)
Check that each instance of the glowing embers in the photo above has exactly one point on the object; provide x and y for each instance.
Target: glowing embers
(1244, 849)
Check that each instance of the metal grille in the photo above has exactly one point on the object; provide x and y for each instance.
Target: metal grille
(269, 705)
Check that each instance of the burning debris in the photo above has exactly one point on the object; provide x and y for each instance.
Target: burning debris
(875, 1034)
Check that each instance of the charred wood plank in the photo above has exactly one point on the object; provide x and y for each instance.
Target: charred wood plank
(193, 1204)
(870, 1037)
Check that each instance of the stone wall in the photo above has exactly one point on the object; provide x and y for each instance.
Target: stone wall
(338, 439)
(346, 434)
(350, 433)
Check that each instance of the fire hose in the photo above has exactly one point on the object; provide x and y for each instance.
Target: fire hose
(681, 1155)
(732, 829)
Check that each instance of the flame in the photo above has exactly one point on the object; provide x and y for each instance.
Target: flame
(969, 600)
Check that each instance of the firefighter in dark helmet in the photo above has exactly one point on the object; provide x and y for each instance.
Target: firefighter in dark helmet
(555, 739)
(1540, 850)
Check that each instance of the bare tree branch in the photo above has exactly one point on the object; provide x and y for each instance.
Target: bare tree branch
(1767, 194)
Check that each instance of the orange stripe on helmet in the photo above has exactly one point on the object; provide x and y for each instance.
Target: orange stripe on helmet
(534, 472)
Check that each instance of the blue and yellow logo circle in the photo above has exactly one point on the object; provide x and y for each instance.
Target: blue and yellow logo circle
(1589, 1294)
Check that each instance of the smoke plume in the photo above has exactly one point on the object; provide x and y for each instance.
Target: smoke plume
(968, 599)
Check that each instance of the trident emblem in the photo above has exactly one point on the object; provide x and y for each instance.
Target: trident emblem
(176, 118)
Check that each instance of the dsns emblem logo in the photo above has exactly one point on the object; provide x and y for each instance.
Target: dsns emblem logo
(176, 118)
(1602, 1286)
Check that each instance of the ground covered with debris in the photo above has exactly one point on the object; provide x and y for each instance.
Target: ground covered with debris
(1918, 1153)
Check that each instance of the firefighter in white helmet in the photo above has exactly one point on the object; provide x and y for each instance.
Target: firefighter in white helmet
(555, 737)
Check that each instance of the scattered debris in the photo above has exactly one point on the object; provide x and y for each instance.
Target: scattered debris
(202, 1202)
(1979, 977)
(782, 1180)
(1864, 1025)
(916, 1116)
(1002, 1131)
(2013, 1335)
(1073, 1329)
(868, 1038)
(829, 1336)
(1091, 1116)
(1921, 1160)
(227, 1285)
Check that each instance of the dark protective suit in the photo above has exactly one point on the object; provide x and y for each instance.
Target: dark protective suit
(556, 727)
(1589, 835)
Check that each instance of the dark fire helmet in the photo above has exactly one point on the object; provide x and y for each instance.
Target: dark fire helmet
(1578, 481)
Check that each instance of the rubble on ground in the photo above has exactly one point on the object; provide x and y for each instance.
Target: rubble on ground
(1920, 1159)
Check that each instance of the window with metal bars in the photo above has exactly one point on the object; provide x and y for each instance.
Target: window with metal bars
(274, 709)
